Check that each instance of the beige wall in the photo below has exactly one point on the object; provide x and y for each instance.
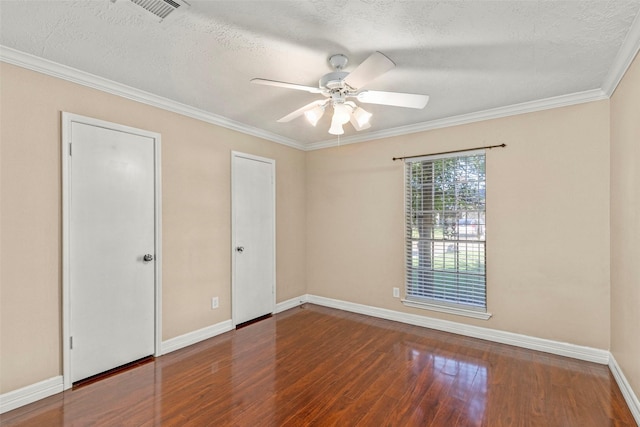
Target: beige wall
(547, 221)
(625, 225)
(340, 226)
(196, 216)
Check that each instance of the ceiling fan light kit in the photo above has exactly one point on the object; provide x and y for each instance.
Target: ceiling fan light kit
(338, 86)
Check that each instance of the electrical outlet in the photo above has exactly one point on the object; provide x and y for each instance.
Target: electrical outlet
(396, 292)
(214, 303)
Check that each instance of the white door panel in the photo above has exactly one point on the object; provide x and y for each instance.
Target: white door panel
(253, 208)
(112, 226)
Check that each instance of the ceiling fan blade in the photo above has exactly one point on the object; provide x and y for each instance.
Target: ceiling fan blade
(375, 65)
(286, 85)
(396, 99)
(301, 111)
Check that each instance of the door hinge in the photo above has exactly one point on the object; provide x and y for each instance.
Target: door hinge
(71, 343)
(69, 148)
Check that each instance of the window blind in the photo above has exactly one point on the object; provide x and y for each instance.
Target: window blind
(445, 230)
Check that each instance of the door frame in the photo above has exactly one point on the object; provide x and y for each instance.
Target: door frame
(272, 162)
(67, 119)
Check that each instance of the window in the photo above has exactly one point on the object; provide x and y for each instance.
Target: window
(445, 226)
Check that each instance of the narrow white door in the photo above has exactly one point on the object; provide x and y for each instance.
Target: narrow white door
(111, 249)
(253, 211)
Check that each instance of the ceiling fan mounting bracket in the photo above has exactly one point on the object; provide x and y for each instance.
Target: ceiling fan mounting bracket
(338, 61)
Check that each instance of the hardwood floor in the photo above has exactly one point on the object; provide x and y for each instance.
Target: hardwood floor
(318, 366)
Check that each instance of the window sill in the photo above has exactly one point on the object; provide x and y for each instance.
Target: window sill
(446, 309)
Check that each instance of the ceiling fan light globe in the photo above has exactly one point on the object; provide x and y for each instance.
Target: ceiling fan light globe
(336, 130)
(362, 117)
(314, 115)
(341, 114)
(336, 127)
(357, 126)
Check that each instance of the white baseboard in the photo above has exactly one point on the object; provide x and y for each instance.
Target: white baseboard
(554, 347)
(290, 303)
(190, 338)
(629, 396)
(29, 394)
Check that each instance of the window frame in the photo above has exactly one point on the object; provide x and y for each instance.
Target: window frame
(422, 302)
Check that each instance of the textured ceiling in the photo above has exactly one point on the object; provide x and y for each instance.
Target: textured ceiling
(468, 56)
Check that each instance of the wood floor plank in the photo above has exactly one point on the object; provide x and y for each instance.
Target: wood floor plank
(315, 366)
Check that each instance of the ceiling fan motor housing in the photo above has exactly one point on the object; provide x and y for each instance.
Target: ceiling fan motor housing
(333, 80)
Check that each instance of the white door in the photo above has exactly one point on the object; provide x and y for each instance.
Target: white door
(111, 248)
(253, 211)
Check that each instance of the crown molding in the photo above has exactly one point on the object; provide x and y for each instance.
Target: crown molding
(624, 58)
(494, 113)
(44, 66)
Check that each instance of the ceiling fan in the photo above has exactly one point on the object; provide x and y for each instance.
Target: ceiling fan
(339, 87)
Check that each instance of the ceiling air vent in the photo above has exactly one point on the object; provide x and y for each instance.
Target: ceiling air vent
(161, 8)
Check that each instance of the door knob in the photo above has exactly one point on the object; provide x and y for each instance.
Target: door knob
(148, 257)
(240, 249)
